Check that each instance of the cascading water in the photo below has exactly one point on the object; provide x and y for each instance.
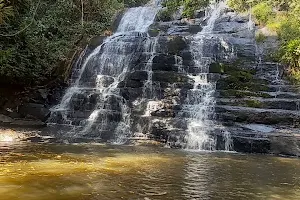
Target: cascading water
(93, 106)
(200, 102)
(134, 85)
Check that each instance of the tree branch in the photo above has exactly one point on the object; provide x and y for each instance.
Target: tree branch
(26, 27)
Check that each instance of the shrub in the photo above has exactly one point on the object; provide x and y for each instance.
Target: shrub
(291, 53)
(263, 12)
(34, 46)
(260, 37)
(239, 5)
(164, 15)
(189, 7)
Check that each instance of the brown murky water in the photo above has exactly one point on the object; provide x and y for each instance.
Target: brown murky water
(101, 172)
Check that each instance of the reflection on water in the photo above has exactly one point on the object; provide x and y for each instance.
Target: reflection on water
(92, 172)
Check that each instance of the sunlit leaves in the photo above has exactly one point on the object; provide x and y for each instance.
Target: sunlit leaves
(6, 11)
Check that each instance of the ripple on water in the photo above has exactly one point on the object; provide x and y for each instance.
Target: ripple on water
(89, 172)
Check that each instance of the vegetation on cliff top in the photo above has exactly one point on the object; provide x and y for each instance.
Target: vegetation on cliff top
(189, 8)
(282, 17)
(39, 37)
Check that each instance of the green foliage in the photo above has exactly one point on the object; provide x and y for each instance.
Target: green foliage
(36, 54)
(260, 37)
(132, 3)
(239, 5)
(165, 15)
(263, 12)
(245, 5)
(291, 53)
(254, 103)
(189, 8)
(295, 76)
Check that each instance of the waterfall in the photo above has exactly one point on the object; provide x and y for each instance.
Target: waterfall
(251, 24)
(93, 106)
(134, 85)
(150, 48)
(199, 104)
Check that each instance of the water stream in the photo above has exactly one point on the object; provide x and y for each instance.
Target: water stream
(97, 172)
(200, 101)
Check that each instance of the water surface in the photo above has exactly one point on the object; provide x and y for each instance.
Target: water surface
(92, 171)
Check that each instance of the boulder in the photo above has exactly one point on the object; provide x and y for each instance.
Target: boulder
(200, 13)
(5, 119)
(285, 145)
(35, 111)
(96, 41)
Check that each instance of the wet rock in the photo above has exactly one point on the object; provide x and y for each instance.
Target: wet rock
(43, 93)
(159, 131)
(164, 67)
(169, 77)
(241, 19)
(130, 84)
(105, 81)
(112, 103)
(54, 96)
(200, 13)
(164, 59)
(163, 113)
(5, 119)
(117, 21)
(27, 124)
(153, 32)
(36, 111)
(96, 41)
(84, 101)
(13, 114)
(184, 30)
(251, 145)
(187, 58)
(285, 145)
(275, 103)
(258, 116)
(138, 75)
(131, 93)
(176, 44)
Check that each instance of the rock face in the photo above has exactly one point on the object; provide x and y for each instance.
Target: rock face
(34, 109)
(6, 121)
(254, 105)
(37, 111)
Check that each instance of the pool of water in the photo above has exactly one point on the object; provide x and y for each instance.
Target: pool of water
(99, 172)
